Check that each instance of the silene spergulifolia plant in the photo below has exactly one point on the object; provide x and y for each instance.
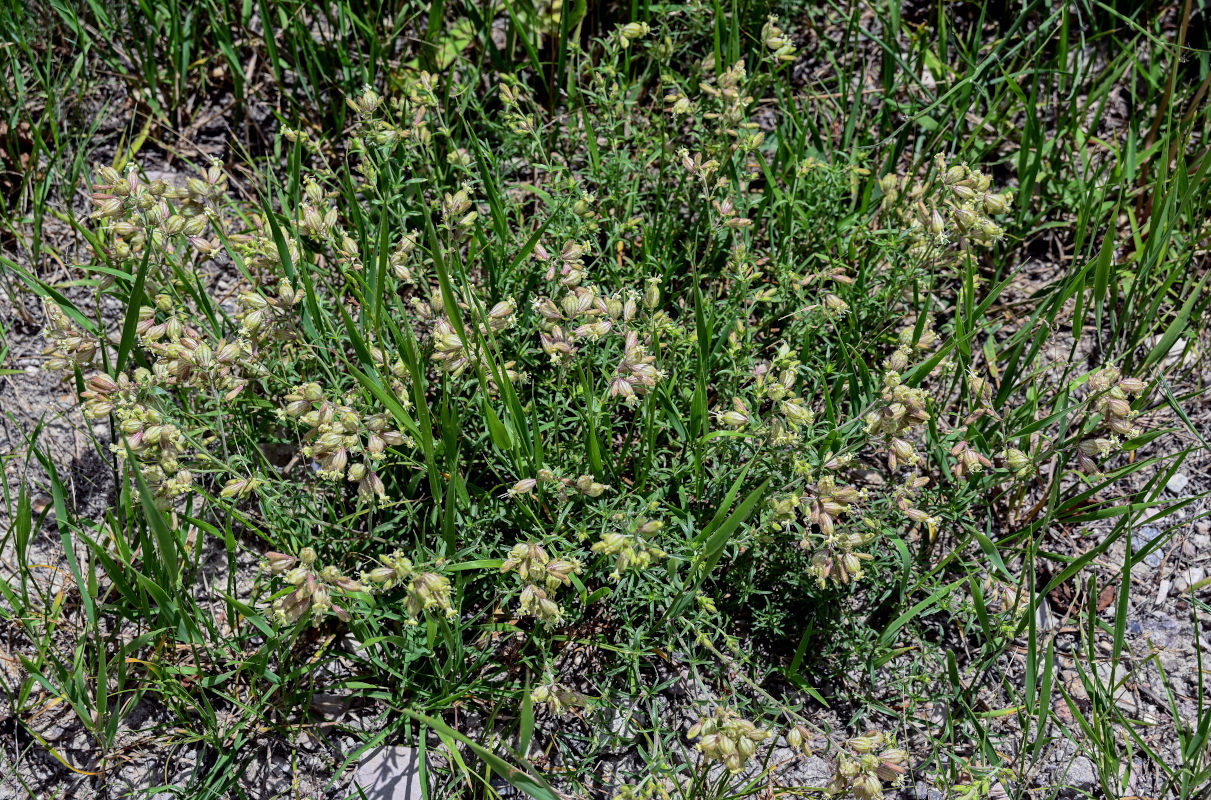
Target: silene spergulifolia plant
(641, 364)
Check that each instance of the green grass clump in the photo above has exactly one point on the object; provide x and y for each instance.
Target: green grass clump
(615, 343)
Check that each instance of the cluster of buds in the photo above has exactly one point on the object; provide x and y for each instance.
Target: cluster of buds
(157, 444)
(652, 788)
(631, 32)
(264, 317)
(585, 485)
(838, 559)
(971, 203)
(426, 591)
(836, 554)
(457, 214)
(780, 45)
(451, 353)
(678, 104)
(67, 346)
(962, 204)
(728, 216)
(904, 494)
(366, 103)
(400, 257)
(556, 697)
(733, 100)
(184, 359)
(774, 386)
(697, 167)
(634, 375)
(631, 550)
(318, 216)
(511, 95)
(154, 212)
(387, 122)
(830, 501)
(314, 587)
(866, 763)
(1111, 399)
(584, 314)
(568, 266)
(260, 253)
(541, 576)
(898, 360)
(105, 395)
(793, 410)
(799, 738)
(969, 460)
(726, 736)
(423, 90)
(1002, 597)
(902, 409)
(338, 433)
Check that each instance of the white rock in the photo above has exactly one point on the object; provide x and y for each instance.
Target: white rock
(390, 773)
(1043, 617)
(1116, 680)
(1188, 578)
(1177, 483)
(1081, 774)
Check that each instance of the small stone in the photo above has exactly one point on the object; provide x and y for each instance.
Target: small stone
(1044, 619)
(330, 705)
(814, 772)
(1075, 688)
(1163, 628)
(923, 791)
(869, 476)
(1143, 537)
(1188, 578)
(390, 773)
(1081, 774)
(1115, 680)
(1162, 591)
(623, 721)
(1177, 483)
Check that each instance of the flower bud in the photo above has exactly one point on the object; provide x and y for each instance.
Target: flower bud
(635, 30)
(651, 295)
(1016, 459)
(996, 203)
(1118, 406)
(1133, 386)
